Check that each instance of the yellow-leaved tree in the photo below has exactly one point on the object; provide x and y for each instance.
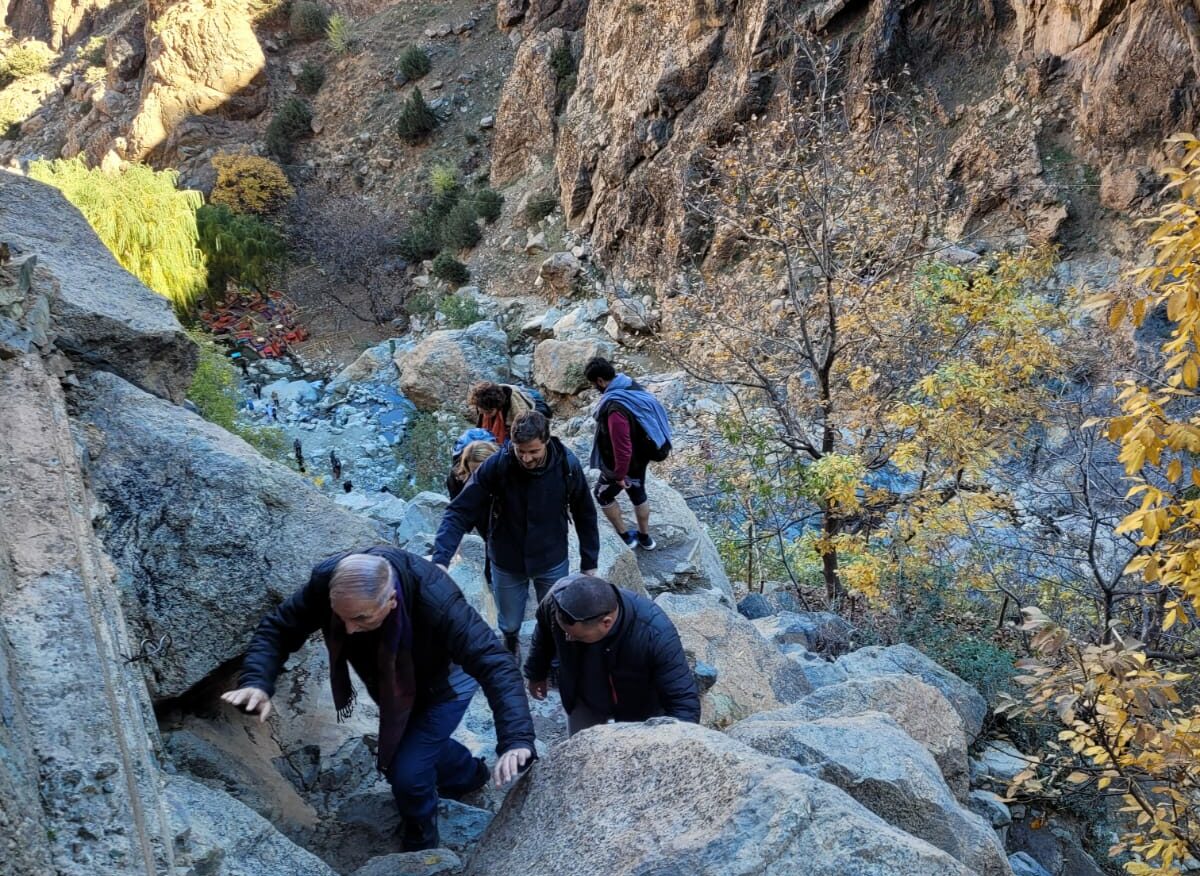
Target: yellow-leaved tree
(876, 383)
(1126, 730)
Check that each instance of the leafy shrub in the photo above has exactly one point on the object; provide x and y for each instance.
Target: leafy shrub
(93, 51)
(562, 62)
(447, 267)
(26, 59)
(340, 33)
(249, 184)
(422, 452)
(461, 230)
(308, 20)
(142, 217)
(311, 78)
(418, 242)
(416, 120)
(10, 119)
(460, 311)
(243, 248)
(443, 179)
(214, 393)
(414, 63)
(488, 203)
(290, 123)
(539, 206)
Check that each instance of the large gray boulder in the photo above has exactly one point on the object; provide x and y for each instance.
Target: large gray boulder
(820, 632)
(873, 760)
(918, 708)
(428, 863)
(101, 315)
(670, 798)
(752, 676)
(439, 371)
(907, 660)
(558, 365)
(206, 534)
(217, 835)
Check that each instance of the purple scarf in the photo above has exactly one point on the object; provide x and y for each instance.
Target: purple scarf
(395, 677)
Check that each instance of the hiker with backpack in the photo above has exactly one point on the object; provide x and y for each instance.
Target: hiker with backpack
(472, 449)
(631, 431)
(497, 406)
(530, 491)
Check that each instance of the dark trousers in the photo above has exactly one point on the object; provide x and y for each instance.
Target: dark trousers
(582, 717)
(428, 760)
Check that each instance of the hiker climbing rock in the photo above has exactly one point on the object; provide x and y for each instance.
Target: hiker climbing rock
(631, 432)
(497, 406)
(419, 648)
(530, 490)
(335, 464)
(619, 656)
(298, 450)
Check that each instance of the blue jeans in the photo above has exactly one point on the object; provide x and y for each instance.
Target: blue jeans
(511, 589)
(428, 759)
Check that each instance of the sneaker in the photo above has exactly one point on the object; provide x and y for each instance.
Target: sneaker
(646, 541)
(630, 538)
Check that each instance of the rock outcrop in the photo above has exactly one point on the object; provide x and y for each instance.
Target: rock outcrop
(201, 56)
(101, 316)
(665, 798)
(751, 674)
(53, 21)
(526, 119)
(205, 532)
(440, 370)
(873, 760)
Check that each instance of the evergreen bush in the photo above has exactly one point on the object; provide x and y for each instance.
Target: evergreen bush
(290, 123)
(460, 229)
(539, 206)
(237, 247)
(142, 216)
(416, 120)
(250, 184)
(488, 203)
(449, 269)
(24, 60)
(308, 20)
(311, 78)
(414, 63)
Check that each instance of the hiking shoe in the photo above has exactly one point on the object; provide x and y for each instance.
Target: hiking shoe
(646, 541)
(630, 538)
(419, 834)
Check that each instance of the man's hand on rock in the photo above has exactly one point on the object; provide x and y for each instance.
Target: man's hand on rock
(537, 689)
(250, 700)
(510, 764)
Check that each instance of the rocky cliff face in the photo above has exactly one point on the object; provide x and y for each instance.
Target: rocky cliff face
(1025, 93)
(53, 21)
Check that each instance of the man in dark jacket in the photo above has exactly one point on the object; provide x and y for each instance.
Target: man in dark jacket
(619, 656)
(417, 646)
(532, 487)
(631, 431)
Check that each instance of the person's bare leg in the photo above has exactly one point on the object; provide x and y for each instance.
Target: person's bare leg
(613, 513)
(642, 512)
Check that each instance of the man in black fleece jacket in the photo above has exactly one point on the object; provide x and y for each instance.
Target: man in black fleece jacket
(417, 645)
(619, 656)
(529, 490)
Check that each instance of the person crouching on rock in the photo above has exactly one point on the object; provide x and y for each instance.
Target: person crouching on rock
(619, 656)
(417, 646)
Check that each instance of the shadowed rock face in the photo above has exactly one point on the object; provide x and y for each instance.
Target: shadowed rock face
(52, 21)
(205, 532)
(670, 798)
(102, 316)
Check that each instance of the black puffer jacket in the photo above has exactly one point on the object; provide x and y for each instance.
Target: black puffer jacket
(648, 674)
(445, 629)
(528, 510)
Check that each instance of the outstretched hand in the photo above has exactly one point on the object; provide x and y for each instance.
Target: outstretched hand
(537, 689)
(250, 700)
(510, 765)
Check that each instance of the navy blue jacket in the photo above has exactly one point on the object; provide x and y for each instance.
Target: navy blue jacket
(528, 510)
(648, 674)
(445, 629)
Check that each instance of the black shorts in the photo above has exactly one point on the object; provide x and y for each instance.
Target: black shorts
(607, 489)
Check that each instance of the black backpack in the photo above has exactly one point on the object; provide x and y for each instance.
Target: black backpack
(538, 400)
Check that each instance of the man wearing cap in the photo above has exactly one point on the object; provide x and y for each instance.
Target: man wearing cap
(619, 656)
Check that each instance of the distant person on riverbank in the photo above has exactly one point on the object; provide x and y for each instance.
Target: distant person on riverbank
(419, 648)
(531, 489)
(497, 406)
(631, 432)
(335, 464)
(619, 656)
(298, 450)
(347, 486)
